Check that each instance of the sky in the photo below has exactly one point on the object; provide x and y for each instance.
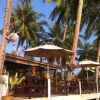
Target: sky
(37, 5)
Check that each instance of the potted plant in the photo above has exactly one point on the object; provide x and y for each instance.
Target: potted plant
(15, 81)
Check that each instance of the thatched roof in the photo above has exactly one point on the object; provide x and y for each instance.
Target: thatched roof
(48, 50)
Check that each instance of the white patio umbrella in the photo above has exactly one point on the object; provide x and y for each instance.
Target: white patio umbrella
(89, 62)
(83, 64)
(49, 51)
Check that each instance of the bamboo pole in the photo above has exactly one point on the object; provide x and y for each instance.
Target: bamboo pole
(6, 31)
(77, 30)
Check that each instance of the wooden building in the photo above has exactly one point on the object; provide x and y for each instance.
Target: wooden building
(35, 83)
(27, 68)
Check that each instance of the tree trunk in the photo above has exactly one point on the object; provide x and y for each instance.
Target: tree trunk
(77, 30)
(64, 35)
(98, 59)
(5, 33)
(98, 50)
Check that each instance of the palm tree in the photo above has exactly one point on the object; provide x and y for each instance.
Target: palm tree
(64, 15)
(89, 16)
(77, 30)
(8, 13)
(98, 47)
(26, 21)
(86, 48)
(98, 57)
(58, 32)
(92, 18)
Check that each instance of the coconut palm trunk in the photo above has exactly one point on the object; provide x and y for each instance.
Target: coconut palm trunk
(98, 50)
(5, 33)
(98, 59)
(77, 30)
(65, 32)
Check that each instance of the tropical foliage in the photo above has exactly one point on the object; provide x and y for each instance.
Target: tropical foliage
(15, 80)
(86, 49)
(65, 13)
(26, 21)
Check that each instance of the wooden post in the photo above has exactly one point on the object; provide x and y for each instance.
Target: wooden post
(87, 76)
(5, 33)
(77, 30)
(80, 91)
(49, 82)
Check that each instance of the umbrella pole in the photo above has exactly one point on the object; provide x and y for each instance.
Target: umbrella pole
(49, 83)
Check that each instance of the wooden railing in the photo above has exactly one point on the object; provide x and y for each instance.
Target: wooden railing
(36, 89)
(72, 87)
(59, 88)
